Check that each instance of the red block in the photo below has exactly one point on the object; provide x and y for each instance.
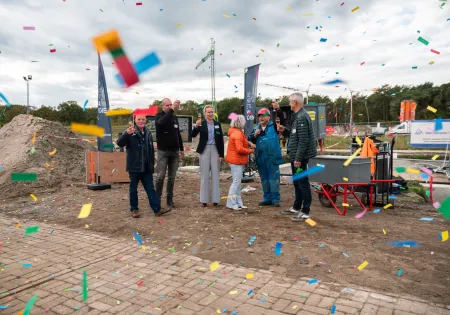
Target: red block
(126, 69)
(435, 51)
(151, 111)
(53, 50)
(138, 3)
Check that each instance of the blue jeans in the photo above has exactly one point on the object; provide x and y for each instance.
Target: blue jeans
(302, 188)
(234, 199)
(147, 180)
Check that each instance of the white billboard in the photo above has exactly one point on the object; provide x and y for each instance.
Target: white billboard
(423, 134)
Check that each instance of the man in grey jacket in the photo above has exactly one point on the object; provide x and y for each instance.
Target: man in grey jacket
(302, 147)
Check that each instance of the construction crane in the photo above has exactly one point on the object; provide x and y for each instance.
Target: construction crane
(211, 54)
(293, 89)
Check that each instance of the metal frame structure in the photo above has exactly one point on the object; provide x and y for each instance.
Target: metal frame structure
(211, 54)
(292, 89)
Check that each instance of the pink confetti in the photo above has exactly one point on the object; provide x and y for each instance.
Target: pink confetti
(361, 214)
(436, 205)
(53, 50)
(138, 3)
(28, 28)
(362, 63)
(427, 171)
(140, 283)
(232, 116)
(342, 4)
(435, 51)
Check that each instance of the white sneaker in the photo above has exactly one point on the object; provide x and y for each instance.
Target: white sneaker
(300, 217)
(243, 207)
(236, 208)
(290, 211)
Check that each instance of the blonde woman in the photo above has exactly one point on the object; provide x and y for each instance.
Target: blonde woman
(237, 156)
(211, 150)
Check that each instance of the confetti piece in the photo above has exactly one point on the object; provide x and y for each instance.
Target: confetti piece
(354, 9)
(444, 209)
(308, 14)
(85, 211)
(346, 255)
(27, 265)
(34, 138)
(438, 124)
(178, 25)
(288, 9)
(228, 75)
(254, 19)
(227, 16)
(312, 281)
(358, 140)
(333, 82)
(426, 170)
(349, 160)
(362, 63)
(412, 170)
(431, 63)
(303, 174)
(3, 97)
(53, 50)
(384, 231)
(387, 206)
(140, 283)
(278, 45)
(53, 152)
(34, 197)
(345, 204)
(407, 243)
(432, 109)
(29, 305)
(249, 276)
(118, 112)
(262, 50)
(323, 40)
(423, 41)
(310, 222)
(18, 225)
(294, 307)
(88, 129)
(29, 28)
(85, 286)
(345, 179)
(399, 273)
(234, 312)
(333, 309)
(2, 307)
(233, 292)
(436, 205)
(342, 4)
(400, 169)
(31, 230)
(414, 67)
(213, 266)
(363, 265)
(138, 3)
(278, 247)
(435, 51)
(444, 236)
(361, 214)
(232, 116)
(137, 238)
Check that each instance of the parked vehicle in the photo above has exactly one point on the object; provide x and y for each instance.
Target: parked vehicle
(404, 128)
(378, 130)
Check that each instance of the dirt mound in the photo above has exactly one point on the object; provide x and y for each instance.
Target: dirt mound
(17, 155)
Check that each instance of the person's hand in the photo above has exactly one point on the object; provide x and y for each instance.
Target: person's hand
(252, 150)
(198, 122)
(280, 128)
(221, 159)
(176, 105)
(130, 130)
(252, 145)
(297, 164)
(182, 154)
(257, 132)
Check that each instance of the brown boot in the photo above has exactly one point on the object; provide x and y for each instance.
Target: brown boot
(162, 211)
(135, 214)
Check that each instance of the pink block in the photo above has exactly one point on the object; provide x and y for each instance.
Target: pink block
(232, 116)
(29, 28)
(426, 171)
(53, 50)
(436, 205)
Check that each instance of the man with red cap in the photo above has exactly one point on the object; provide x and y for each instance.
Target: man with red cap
(268, 157)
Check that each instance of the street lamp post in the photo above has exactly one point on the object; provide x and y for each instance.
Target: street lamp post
(28, 92)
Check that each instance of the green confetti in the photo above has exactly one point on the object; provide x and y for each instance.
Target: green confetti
(43, 142)
(414, 67)
(77, 308)
(32, 150)
(444, 209)
(23, 177)
(423, 41)
(29, 305)
(337, 72)
(85, 286)
(427, 193)
(278, 45)
(303, 297)
(101, 10)
(108, 146)
(400, 169)
(31, 230)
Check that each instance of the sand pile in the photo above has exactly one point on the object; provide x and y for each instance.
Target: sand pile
(17, 155)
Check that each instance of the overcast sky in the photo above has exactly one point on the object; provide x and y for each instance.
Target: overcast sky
(379, 32)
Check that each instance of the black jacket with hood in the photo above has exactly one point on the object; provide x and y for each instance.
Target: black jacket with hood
(168, 136)
(136, 145)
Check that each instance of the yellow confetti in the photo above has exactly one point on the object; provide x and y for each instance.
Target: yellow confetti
(432, 109)
(33, 196)
(431, 63)
(354, 9)
(308, 14)
(254, 19)
(444, 236)
(345, 205)
(310, 222)
(226, 197)
(85, 211)
(118, 112)
(88, 129)
(388, 206)
(350, 159)
(435, 157)
(106, 41)
(143, 247)
(294, 307)
(219, 311)
(288, 9)
(86, 226)
(249, 276)
(178, 25)
(384, 231)
(227, 16)
(157, 308)
(188, 260)
(358, 141)
(233, 292)
(47, 165)
(53, 152)
(363, 265)
(262, 50)
(213, 266)
(18, 225)
(345, 179)
(411, 170)
(34, 138)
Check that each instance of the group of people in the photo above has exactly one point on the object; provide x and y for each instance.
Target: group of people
(263, 142)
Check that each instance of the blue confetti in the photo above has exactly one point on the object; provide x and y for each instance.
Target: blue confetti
(345, 255)
(424, 176)
(2, 168)
(84, 106)
(234, 312)
(138, 238)
(228, 75)
(399, 273)
(278, 246)
(27, 265)
(235, 86)
(376, 211)
(407, 243)
(312, 281)
(393, 197)
(323, 40)
(303, 174)
(383, 65)
(2, 307)
(224, 310)
(426, 219)
(252, 239)
(52, 231)
(3, 97)
(52, 275)
(142, 65)
(438, 125)
(262, 301)
(333, 309)
(250, 292)
(333, 82)
(329, 16)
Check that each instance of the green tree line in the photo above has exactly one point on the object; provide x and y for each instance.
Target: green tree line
(383, 105)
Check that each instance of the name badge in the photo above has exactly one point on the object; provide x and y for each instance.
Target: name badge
(176, 126)
(216, 127)
(294, 130)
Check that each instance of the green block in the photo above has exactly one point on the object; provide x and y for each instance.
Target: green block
(23, 177)
(427, 193)
(423, 41)
(444, 209)
(85, 286)
(29, 305)
(31, 230)
(415, 67)
(311, 103)
(400, 169)
(117, 53)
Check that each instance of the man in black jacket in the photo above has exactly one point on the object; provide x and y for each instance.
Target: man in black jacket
(170, 148)
(140, 164)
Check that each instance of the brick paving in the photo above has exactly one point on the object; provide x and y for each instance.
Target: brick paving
(124, 278)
